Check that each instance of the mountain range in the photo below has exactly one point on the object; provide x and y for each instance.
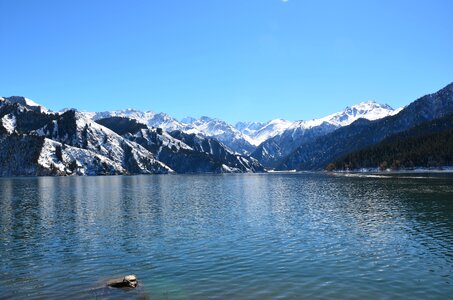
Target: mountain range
(37, 141)
(429, 144)
(246, 137)
(363, 133)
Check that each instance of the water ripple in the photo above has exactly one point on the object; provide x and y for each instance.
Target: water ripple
(270, 236)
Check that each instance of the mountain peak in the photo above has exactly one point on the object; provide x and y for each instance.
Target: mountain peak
(205, 119)
(370, 105)
(132, 110)
(24, 102)
(188, 120)
(370, 110)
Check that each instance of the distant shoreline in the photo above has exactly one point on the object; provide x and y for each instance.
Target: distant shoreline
(352, 173)
(402, 170)
(374, 172)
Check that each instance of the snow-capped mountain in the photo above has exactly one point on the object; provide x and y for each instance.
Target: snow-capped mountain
(184, 153)
(74, 129)
(223, 132)
(370, 110)
(24, 102)
(248, 128)
(36, 141)
(205, 126)
(152, 119)
(33, 142)
(294, 134)
(260, 132)
(363, 133)
(245, 137)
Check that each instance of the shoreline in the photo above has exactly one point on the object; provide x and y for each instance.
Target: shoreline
(356, 172)
(440, 170)
(422, 173)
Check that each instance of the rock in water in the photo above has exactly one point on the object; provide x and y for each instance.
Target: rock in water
(129, 281)
(126, 287)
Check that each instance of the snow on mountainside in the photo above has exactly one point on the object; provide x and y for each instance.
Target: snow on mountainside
(370, 110)
(260, 132)
(25, 102)
(244, 137)
(221, 131)
(205, 126)
(149, 118)
(150, 150)
(183, 152)
(363, 133)
(248, 128)
(74, 129)
(34, 142)
(230, 160)
(9, 123)
(274, 149)
(73, 160)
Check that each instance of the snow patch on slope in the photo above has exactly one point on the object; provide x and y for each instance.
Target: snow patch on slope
(370, 110)
(85, 161)
(271, 129)
(28, 103)
(245, 136)
(9, 123)
(149, 118)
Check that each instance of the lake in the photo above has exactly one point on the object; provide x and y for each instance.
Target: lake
(245, 236)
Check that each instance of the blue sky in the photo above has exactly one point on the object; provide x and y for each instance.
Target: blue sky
(232, 59)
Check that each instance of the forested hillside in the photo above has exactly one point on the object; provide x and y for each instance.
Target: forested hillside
(427, 145)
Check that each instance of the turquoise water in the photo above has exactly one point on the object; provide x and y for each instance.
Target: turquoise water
(267, 236)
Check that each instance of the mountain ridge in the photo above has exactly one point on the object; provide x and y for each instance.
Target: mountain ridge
(429, 144)
(362, 133)
(35, 141)
(130, 141)
(272, 151)
(245, 137)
